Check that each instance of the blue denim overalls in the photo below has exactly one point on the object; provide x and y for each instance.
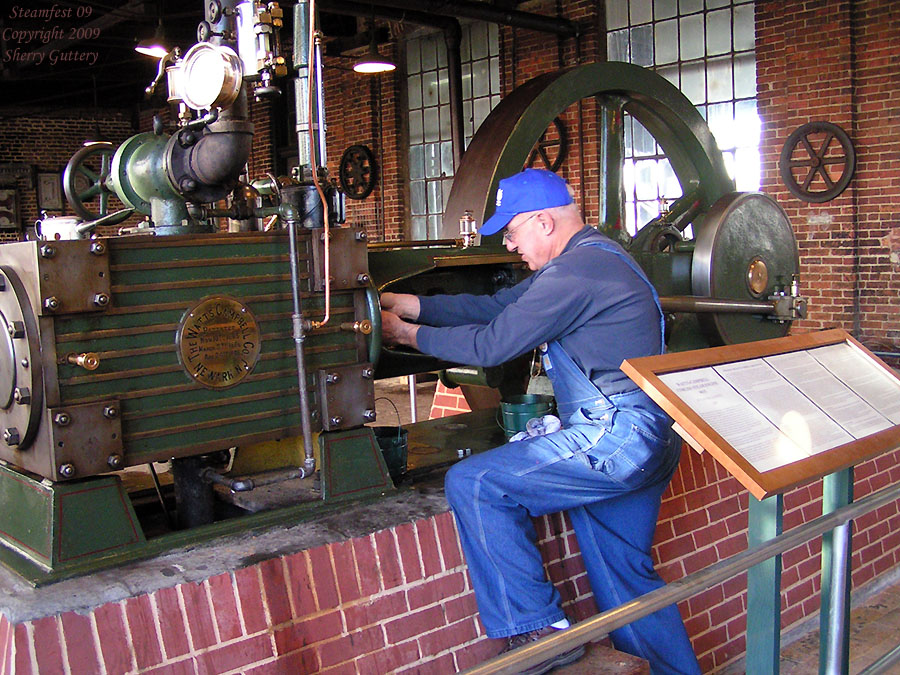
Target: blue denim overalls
(607, 467)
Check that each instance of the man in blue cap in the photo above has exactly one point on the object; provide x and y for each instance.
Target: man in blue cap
(587, 307)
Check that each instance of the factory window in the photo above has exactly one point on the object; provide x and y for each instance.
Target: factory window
(430, 148)
(706, 49)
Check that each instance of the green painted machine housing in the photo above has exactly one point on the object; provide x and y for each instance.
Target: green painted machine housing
(140, 403)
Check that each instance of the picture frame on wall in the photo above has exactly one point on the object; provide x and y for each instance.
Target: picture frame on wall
(9, 208)
(49, 192)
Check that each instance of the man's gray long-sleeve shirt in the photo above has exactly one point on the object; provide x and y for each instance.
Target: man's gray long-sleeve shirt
(587, 298)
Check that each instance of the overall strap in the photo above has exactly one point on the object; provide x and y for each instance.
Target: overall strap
(612, 248)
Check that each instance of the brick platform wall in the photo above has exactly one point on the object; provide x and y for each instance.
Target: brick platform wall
(398, 600)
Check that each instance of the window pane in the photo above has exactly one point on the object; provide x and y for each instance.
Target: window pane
(468, 125)
(432, 160)
(720, 118)
(416, 135)
(642, 45)
(414, 86)
(417, 197)
(629, 145)
(747, 173)
(671, 74)
(669, 186)
(493, 39)
(480, 79)
(645, 179)
(443, 86)
(447, 158)
(647, 211)
(746, 120)
(418, 229)
(744, 31)
(641, 11)
(465, 53)
(644, 144)
(434, 227)
(744, 76)
(495, 74)
(445, 122)
(718, 32)
(413, 62)
(617, 45)
(435, 202)
(616, 15)
(429, 88)
(466, 73)
(429, 54)
(715, 4)
(431, 124)
(666, 41)
(441, 48)
(664, 9)
(690, 6)
(693, 82)
(718, 79)
(479, 41)
(446, 186)
(691, 37)
(416, 162)
(481, 108)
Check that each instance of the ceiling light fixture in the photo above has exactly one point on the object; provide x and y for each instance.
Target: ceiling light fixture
(373, 62)
(155, 46)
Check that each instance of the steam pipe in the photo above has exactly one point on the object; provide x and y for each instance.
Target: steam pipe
(299, 334)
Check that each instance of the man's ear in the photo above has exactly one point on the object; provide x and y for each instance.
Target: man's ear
(547, 223)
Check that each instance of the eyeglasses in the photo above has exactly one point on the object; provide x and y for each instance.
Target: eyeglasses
(510, 235)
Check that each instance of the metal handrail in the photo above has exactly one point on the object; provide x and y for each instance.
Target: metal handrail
(599, 626)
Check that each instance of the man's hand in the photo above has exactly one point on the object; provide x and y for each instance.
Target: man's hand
(396, 331)
(404, 305)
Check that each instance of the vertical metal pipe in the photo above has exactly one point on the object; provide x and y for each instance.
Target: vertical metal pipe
(413, 411)
(612, 153)
(320, 102)
(453, 37)
(301, 83)
(299, 333)
(835, 662)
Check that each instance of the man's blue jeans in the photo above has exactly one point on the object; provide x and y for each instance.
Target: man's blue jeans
(610, 479)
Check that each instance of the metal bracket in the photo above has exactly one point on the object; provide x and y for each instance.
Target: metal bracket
(350, 269)
(86, 439)
(73, 277)
(346, 396)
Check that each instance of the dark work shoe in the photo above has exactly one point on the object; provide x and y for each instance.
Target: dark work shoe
(516, 641)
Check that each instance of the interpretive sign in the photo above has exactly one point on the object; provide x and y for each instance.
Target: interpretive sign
(778, 413)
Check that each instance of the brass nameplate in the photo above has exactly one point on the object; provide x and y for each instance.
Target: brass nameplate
(218, 342)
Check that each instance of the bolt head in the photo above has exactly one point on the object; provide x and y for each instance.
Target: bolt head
(67, 470)
(98, 248)
(336, 420)
(11, 436)
(62, 419)
(369, 415)
(101, 299)
(16, 329)
(47, 251)
(362, 279)
(22, 395)
(361, 235)
(110, 412)
(51, 303)
(333, 378)
(368, 373)
(114, 461)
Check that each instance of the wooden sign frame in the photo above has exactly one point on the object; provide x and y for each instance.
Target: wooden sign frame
(646, 372)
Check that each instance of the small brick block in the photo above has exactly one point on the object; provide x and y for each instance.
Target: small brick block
(275, 586)
(46, 645)
(391, 575)
(246, 580)
(410, 557)
(113, 638)
(345, 571)
(81, 647)
(431, 555)
(233, 656)
(449, 540)
(224, 605)
(199, 615)
(171, 622)
(322, 577)
(366, 565)
(144, 640)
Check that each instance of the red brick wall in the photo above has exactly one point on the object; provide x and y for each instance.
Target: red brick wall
(398, 600)
(47, 142)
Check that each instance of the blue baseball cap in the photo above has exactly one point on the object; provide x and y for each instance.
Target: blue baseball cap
(530, 190)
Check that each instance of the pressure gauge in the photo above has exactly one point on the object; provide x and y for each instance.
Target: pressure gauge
(211, 76)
